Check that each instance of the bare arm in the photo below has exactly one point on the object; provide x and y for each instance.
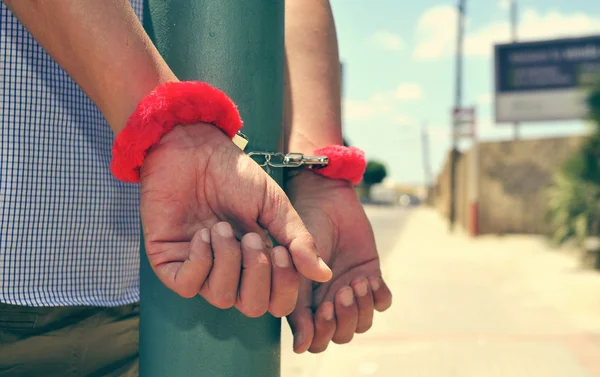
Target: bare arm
(102, 46)
(313, 118)
(330, 208)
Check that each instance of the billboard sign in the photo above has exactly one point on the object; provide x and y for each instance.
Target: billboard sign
(545, 80)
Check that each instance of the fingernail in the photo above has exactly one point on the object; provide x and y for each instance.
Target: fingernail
(323, 265)
(346, 297)
(328, 312)
(374, 284)
(254, 241)
(224, 230)
(298, 338)
(361, 288)
(205, 235)
(280, 257)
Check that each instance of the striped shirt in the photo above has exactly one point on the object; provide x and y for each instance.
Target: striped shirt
(69, 232)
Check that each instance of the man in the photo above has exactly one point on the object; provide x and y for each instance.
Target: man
(69, 233)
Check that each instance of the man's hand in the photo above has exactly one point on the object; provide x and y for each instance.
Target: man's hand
(343, 306)
(200, 190)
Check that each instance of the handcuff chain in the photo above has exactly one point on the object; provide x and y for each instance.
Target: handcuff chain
(289, 160)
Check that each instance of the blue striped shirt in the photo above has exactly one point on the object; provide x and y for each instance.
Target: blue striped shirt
(69, 232)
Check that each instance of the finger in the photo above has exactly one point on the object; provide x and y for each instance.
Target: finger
(364, 301)
(184, 266)
(346, 315)
(255, 287)
(382, 296)
(301, 319)
(221, 287)
(284, 224)
(324, 327)
(284, 283)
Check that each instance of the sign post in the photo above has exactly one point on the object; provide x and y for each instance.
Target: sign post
(465, 126)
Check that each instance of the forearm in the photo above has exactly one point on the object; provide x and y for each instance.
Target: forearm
(313, 103)
(102, 46)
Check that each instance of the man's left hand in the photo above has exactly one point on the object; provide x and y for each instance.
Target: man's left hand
(336, 310)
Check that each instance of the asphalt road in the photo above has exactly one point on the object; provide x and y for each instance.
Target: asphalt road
(387, 223)
(493, 307)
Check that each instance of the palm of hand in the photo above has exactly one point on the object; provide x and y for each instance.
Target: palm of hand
(196, 177)
(343, 235)
(193, 179)
(200, 183)
(335, 310)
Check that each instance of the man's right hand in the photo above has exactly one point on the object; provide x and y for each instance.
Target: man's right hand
(200, 190)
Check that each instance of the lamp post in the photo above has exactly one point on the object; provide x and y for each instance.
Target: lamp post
(237, 46)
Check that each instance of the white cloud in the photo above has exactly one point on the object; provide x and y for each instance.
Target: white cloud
(383, 103)
(388, 41)
(436, 31)
(363, 110)
(408, 92)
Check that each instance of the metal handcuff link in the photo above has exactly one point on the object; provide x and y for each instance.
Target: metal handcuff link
(280, 160)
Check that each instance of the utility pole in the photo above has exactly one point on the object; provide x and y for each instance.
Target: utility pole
(237, 46)
(427, 173)
(513, 27)
(425, 154)
(457, 106)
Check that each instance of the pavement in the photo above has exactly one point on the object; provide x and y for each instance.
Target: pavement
(489, 307)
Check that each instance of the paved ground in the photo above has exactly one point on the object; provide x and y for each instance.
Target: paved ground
(495, 307)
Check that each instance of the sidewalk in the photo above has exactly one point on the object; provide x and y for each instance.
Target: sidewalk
(492, 307)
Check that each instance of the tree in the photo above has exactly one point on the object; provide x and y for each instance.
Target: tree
(375, 173)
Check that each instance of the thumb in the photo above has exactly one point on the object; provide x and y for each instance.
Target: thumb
(282, 221)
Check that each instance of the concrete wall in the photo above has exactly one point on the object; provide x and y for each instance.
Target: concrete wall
(442, 189)
(514, 176)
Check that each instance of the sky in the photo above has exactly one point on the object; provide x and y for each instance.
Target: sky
(399, 71)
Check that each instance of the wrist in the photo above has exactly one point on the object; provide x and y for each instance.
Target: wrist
(169, 105)
(298, 178)
(199, 135)
(302, 143)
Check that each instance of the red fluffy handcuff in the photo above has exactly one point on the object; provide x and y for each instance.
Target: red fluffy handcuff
(190, 102)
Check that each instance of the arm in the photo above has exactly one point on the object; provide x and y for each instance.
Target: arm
(103, 47)
(97, 43)
(313, 108)
(329, 208)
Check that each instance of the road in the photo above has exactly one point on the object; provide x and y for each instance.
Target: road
(493, 307)
(387, 223)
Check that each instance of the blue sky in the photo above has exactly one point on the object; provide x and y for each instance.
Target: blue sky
(399, 71)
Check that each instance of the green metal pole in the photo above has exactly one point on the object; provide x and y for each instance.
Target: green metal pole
(237, 46)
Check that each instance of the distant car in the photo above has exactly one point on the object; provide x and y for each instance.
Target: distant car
(406, 200)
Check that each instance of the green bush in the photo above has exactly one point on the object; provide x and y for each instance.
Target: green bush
(375, 173)
(574, 197)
